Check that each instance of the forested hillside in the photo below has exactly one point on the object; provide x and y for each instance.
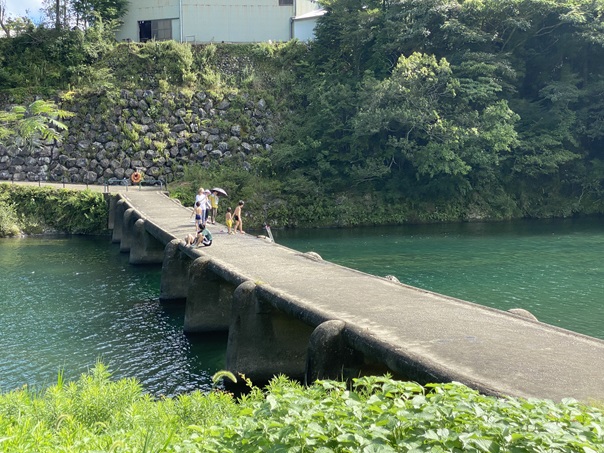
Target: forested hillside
(399, 111)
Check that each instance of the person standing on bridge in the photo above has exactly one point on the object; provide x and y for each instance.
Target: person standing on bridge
(203, 203)
(214, 206)
(228, 220)
(208, 206)
(238, 217)
(198, 198)
(198, 215)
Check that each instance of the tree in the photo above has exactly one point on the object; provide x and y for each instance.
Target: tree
(89, 11)
(13, 26)
(415, 117)
(30, 124)
(4, 18)
(82, 13)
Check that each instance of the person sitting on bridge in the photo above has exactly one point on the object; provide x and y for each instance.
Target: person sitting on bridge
(203, 237)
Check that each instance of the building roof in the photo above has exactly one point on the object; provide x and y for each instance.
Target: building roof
(311, 15)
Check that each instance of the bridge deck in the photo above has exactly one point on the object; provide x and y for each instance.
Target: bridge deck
(487, 349)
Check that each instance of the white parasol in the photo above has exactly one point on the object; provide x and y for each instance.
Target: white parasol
(220, 191)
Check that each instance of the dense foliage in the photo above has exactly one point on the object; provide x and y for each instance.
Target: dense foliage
(35, 210)
(40, 61)
(374, 414)
(399, 111)
(493, 106)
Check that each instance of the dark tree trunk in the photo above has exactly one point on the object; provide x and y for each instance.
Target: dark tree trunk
(57, 14)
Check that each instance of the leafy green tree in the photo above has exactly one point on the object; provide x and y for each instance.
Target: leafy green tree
(453, 97)
(65, 14)
(39, 120)
(90, 11)
(415, 118)
(10, 25)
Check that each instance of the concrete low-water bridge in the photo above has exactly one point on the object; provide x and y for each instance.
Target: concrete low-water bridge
(292, 313)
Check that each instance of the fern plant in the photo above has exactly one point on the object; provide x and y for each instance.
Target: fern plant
(39, 120)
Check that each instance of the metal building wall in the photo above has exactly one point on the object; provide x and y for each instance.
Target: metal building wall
(217, 20)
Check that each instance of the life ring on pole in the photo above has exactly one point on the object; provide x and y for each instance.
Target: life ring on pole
(136, 177)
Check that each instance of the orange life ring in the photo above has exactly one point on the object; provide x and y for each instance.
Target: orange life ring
(136, 177)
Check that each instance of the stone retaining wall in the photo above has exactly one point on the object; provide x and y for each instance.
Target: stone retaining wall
(155, 133)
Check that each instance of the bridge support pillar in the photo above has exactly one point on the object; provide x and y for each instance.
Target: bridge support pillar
(209, 299)
(120, 208)
(174, 273)
(130, 218)
(144, 248)
(328, 355)
(111, 202)
(523, 313)
(263, 341)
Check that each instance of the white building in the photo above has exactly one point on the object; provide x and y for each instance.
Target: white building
(304, 25)
(203, 21)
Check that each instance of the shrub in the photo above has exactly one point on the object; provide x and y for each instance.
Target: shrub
(8, 219)
(68, 211)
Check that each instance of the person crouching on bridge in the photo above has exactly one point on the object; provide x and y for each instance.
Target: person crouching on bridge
(203, 237)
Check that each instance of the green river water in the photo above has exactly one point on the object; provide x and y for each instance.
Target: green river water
(66, 302)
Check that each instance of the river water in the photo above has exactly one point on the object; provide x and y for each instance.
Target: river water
(66, 302)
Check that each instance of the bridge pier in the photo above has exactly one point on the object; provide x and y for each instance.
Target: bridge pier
(174, 273)
(111, 202)
(144, 248)
(130, 217)
(209, 299)
(118, 221)
(329, 357)
(264, 341)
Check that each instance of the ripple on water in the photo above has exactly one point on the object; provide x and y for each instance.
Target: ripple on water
(69, 302)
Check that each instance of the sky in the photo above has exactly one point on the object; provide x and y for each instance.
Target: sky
(17, 8)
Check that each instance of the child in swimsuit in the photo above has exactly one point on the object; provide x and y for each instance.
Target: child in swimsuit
(198, 214)
(213, 206)
(238, 218)
(228, 220)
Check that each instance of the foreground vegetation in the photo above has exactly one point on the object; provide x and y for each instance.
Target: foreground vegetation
(374, 414)
(37, 210)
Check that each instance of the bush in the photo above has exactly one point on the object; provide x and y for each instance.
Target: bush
(39, 209)
(145, 65)
(8, 219)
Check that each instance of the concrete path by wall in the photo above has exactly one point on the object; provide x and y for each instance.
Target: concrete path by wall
(112, 189)
(493, 351)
